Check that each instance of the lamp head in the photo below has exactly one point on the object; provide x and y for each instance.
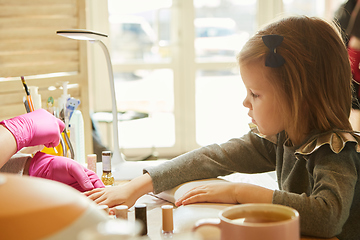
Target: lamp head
(81, 34)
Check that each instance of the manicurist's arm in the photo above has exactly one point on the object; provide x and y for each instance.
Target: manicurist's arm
(31, 129)
(7, 145)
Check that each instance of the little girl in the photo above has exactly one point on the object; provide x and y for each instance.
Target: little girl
(298, 80)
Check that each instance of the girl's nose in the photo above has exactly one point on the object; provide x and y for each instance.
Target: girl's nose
(247, 103)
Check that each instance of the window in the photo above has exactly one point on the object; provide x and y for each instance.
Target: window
(175, 68)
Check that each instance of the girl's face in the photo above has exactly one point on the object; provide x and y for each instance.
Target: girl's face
(263, 107)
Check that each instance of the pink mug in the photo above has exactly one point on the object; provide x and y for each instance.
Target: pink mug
(256, 221)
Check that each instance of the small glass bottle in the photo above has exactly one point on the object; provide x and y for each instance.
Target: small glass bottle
(141, 216)
(91, 162)
(167, 222)
(107, 177)
(121, 212)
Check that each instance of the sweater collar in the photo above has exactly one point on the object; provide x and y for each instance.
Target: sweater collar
(336, 139)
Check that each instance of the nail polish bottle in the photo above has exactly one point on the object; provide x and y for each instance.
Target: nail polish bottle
(140, 215)
(107, 177)
(121, 212)
(167, 221)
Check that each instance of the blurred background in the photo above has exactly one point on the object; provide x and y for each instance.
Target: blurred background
(176, 77)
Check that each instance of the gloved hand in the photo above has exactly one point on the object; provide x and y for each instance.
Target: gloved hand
(64, 170)
(35, 128)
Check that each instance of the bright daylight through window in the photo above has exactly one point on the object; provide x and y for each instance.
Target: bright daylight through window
(176, 77)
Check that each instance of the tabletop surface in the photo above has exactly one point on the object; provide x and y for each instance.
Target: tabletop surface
(154, 221)
(154, 218)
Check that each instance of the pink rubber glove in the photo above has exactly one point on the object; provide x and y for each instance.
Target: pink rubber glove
(35, 128)
(64, 170)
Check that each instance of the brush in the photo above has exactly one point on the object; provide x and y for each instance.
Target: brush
(28, 96)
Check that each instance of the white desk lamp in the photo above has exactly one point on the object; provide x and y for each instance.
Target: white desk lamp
(123, 170)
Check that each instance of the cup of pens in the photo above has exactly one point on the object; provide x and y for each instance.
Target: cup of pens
(30, 107)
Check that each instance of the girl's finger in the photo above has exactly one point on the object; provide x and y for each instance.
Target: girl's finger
(194, 199)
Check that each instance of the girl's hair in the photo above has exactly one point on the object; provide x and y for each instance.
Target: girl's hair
(315, 80)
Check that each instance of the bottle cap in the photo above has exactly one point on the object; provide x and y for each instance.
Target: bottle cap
(167, 218)
(121, 211)
(106, 153)
(106, 160)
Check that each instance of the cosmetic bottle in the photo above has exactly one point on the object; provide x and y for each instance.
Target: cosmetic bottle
(167, 221)
(35, 96)
(141, 216)
(107, 177)
(91, 162)
(121, 212)
(77, 136)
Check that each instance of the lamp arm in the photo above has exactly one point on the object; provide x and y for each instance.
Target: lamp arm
(116, 157)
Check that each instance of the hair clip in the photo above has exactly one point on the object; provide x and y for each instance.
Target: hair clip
(273, 59)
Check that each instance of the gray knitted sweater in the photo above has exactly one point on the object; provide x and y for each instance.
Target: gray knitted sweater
(320, 178)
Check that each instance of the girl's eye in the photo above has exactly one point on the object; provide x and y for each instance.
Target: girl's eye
(254, 95)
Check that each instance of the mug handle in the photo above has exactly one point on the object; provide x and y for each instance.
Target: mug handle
(215, 222)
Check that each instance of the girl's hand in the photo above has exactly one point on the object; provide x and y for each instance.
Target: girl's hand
(212, 192)
(113, 196)
(125, 194)
(232, 193)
